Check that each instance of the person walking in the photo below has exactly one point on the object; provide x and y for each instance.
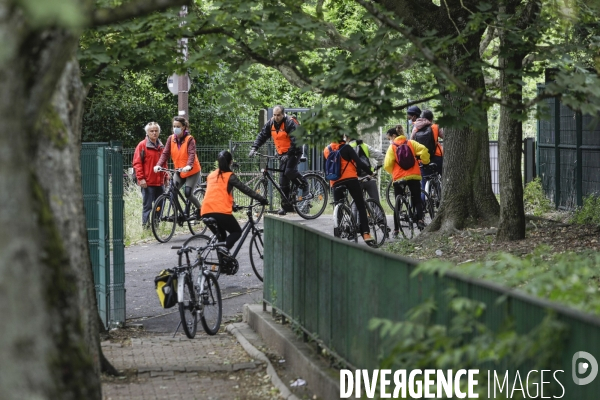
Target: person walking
(279, 128)
(146, 155)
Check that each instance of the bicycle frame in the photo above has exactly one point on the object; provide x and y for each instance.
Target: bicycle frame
(175, 195)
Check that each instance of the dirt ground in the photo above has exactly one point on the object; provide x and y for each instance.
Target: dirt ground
(477, 244)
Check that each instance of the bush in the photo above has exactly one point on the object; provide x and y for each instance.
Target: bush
(589, 213)
(534, 198)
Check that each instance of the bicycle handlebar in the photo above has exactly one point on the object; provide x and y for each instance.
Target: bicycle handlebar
(174, 170)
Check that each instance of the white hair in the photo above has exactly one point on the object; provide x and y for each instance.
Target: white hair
(151, 124)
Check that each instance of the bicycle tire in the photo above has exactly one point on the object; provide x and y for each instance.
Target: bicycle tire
(164, 218)
(257, 254)
(197, 227)
(428, 208)
(403, 217)
(436, 193)
(316, 198)
(377, 223)
(188, 308)
(344, 223)
(389, 194)
(212, 258)
(257, 212)
(212, 305)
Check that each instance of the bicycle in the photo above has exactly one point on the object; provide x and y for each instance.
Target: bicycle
(309, 202)
(346, 226)
(216, 261)
(433, 188)
(405, 212)
(199, 297)
(167, 211)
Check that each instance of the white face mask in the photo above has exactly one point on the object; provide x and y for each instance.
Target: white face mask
(177, 131)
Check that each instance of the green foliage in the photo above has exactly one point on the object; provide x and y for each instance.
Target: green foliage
(465, 342)
(567, 278)
(589, 213)
(534, 198)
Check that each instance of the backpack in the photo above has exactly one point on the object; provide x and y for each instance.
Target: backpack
(166, 288)
(404, 156)
(333, 164)
(425, 137)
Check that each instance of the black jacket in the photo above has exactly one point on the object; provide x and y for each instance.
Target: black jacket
(349, 154)
(234, 182)
(265, 133)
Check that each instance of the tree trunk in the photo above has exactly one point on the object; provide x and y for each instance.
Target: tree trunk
(467, 193)
(510, 132)
(43, 341)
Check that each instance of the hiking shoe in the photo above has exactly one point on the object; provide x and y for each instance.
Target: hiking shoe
(420, 225)
(281, 211)
(368, 238)
(395, 234)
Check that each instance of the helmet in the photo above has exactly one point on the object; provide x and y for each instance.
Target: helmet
(414, 110)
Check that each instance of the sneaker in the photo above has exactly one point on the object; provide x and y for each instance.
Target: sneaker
(281, 211)
(395, 234)
(367, 238)
(420, 224)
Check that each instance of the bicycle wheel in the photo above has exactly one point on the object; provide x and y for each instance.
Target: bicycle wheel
(188, 309)
(389, 194)
(436, 193)
(377, 223)
(164, 218)
(212, 305)
(428, 208)
(344, 226)
(212, 258)
(257, 254)
(403, 217)
(257, 212)
(311, 202)
(196, 226)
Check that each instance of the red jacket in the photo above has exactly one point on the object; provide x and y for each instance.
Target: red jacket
(145, 157)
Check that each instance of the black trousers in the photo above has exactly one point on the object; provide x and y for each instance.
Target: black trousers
(353, 186)
(290, 173)
(415, 197)
(149, 196)
(226, 223)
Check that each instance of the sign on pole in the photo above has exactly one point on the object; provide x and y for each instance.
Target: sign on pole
(173, 83)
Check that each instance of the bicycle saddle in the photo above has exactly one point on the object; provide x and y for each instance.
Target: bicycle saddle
(209, 221)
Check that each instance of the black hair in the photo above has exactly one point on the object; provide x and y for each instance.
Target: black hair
(224, 160)
(392, 132)
(427, 114)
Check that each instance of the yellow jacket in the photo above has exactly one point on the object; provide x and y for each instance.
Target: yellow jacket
(392, 167)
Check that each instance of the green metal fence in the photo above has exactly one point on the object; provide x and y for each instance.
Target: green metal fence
(102, 181)
(568, 154)
(332, 291)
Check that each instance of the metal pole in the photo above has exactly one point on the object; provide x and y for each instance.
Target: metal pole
(182, 98)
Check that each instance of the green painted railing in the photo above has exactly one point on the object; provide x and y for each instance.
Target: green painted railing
(331, 289)
(102, 182)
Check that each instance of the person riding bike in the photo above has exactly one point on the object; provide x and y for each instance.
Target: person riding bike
(218, 200)
(427, 133)
(280, 128)
(181, 147)
(349, 178)
(365, 153)
(411, 177)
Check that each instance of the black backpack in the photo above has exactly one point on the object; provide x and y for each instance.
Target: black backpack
(425, 137)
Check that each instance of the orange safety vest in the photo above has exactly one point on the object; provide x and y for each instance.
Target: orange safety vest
(348, 167)
(216, 198)
(180, 157)
(280, 138)
(439, 150)
(398, 172)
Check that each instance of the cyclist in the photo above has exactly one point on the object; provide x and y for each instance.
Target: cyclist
(349, 178)
(426, 120)
(218, 200)
(365, 153)
(280, 128)
(181, 147)
(411, 177)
